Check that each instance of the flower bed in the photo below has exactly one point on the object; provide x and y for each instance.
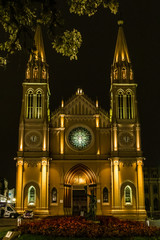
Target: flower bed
(80, 227)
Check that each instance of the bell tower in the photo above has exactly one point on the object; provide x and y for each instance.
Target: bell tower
(126, 154)
(33, 146)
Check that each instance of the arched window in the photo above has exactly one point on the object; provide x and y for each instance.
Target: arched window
(128, 194)
(30, 104)
(120, 105)
(38, 105)
(43, 73)
(115, 74)
(124, 75)
(28, 73)
(31, 195)
(35, 72)
(147, 205)
(156, 204)
(129, 105)
(155, 189)
(131, 74)
(54, 195)
(105, 195)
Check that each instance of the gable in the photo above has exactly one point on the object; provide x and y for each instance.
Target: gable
(80, 106)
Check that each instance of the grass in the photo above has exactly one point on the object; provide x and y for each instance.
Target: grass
(41, 237)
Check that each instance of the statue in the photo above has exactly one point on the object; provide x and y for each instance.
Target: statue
(92, 205)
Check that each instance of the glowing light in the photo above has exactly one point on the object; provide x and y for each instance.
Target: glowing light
(115, 139)
(97, 121)
(44, 162)
(80, 138)
(79, 91)
(97, 103)
(62, 144)
(62, 120)
(21, 146)
(44, 141)
(62, 103)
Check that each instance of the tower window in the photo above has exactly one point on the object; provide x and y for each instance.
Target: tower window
(115, 74)
(124, 75)
(128, 195)
(31, 195)
(105, 195)
(35, 72)
(129, 105)
(34, 105)
(131, 74)
(120, 105)
(30, 104)
(54, 195)
(28, 73)
(44, 73)
(38, 113)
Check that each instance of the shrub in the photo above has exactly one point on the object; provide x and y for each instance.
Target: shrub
(80, 227)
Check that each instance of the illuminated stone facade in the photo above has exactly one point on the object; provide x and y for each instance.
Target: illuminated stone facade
(81, 145)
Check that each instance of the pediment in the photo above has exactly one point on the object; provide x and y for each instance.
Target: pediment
(81, 106)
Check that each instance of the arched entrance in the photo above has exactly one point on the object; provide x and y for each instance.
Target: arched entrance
(77, 179)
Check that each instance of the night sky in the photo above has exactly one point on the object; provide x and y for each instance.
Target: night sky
(91, 72)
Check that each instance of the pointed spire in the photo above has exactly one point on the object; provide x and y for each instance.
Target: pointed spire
(37, 68)
(121, 70)
(38, 40)
(121, 51)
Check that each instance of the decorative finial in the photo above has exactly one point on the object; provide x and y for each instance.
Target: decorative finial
(62, 104)
(79, 91)
(96, 103)
(120, 22)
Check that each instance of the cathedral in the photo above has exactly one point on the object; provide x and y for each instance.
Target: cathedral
(80, 149)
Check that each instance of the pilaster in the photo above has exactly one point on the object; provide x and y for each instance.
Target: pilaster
(141, 203)
(19, 184)
(116, 187)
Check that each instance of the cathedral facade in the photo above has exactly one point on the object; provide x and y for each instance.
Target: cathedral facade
(81, 148)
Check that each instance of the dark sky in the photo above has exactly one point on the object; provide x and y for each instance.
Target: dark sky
(91, 72)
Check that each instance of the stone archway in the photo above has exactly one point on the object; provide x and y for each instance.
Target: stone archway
(75, 198)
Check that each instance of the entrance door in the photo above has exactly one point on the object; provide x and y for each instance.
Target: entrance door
(79, 202)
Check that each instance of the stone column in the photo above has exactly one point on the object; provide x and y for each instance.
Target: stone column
(138, 140)
(62, 135)
(19, 184)
(116, 190)
(44, 184)
(141, 204)
(115, 142)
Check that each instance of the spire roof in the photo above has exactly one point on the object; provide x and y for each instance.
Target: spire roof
(38, 40)
(121, 50)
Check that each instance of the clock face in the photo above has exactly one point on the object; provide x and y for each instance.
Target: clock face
(33, 139)
(126, 139)
(80, 138)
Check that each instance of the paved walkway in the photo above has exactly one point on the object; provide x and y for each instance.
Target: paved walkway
(7, 224)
